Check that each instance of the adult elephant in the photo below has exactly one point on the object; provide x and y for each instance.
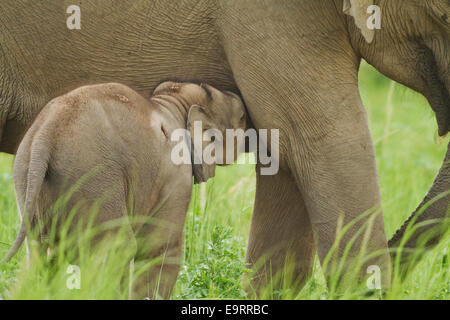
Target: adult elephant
(296, 66)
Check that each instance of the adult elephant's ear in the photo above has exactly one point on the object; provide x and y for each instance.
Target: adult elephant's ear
(196, 121)
(358, 10)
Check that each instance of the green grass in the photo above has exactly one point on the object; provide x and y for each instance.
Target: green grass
(408, 153)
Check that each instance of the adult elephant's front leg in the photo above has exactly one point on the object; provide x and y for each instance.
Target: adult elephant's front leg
(300, 76)
(332, 161)
(281, 246)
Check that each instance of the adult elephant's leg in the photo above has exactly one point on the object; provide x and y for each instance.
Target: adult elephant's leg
(300, 76)
(281, 246)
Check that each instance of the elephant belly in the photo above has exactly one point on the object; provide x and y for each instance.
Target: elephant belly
(137, 43)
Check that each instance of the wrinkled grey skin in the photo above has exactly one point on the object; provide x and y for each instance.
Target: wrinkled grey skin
(420, 59)
(428, 220)
(295, 63)
(110, 149)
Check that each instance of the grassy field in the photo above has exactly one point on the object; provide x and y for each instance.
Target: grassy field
(408, 153)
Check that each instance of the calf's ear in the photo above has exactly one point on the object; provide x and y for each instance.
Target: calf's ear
(358, 10)
(196, 121)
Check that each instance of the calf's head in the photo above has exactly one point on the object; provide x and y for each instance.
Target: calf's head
(216, 121)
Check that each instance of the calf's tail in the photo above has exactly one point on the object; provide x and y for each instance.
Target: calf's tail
(37, 169)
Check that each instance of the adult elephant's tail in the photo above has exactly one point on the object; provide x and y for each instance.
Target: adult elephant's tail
(429, 221)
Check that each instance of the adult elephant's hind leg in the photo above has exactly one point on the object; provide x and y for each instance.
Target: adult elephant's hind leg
(280, 247)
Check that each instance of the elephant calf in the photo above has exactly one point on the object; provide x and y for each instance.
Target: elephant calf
(108, 146)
